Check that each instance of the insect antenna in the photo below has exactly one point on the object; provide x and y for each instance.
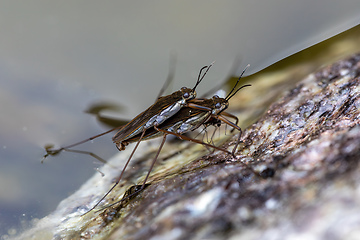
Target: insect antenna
(200, 78)
(231, 94)
(247, 85)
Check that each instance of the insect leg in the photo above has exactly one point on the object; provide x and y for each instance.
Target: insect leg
(183, 137)
(121, 174)
(231, 116)
(52, 152)
(220, 117)
(196, 106)
(153, 162)
(144, 183)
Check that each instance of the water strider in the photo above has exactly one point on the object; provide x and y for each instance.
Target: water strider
(163, 108)
(202, 112)
(174, 114)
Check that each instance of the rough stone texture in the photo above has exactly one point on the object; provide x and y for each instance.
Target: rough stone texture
(296, 176)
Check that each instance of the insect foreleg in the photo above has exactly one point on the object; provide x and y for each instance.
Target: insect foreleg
(231, 116)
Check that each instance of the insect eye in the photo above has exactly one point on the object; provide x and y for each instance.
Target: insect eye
(217, 105)
(186, 95)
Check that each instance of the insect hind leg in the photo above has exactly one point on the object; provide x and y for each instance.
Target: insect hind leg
(127, 196)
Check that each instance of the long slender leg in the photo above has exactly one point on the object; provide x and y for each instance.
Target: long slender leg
(121, 174)
(196, 106)
(235, 127)
(153, 163)
(213, 134)
(237, 143)
(146, 178)
(183, 137)
(226, 121)
(207, 136)
(231, 116)
(51, 152)
(212, 146)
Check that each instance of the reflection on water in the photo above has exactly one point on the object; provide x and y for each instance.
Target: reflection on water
(98, 109)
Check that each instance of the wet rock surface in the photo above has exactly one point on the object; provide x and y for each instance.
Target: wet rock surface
(296, 174)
